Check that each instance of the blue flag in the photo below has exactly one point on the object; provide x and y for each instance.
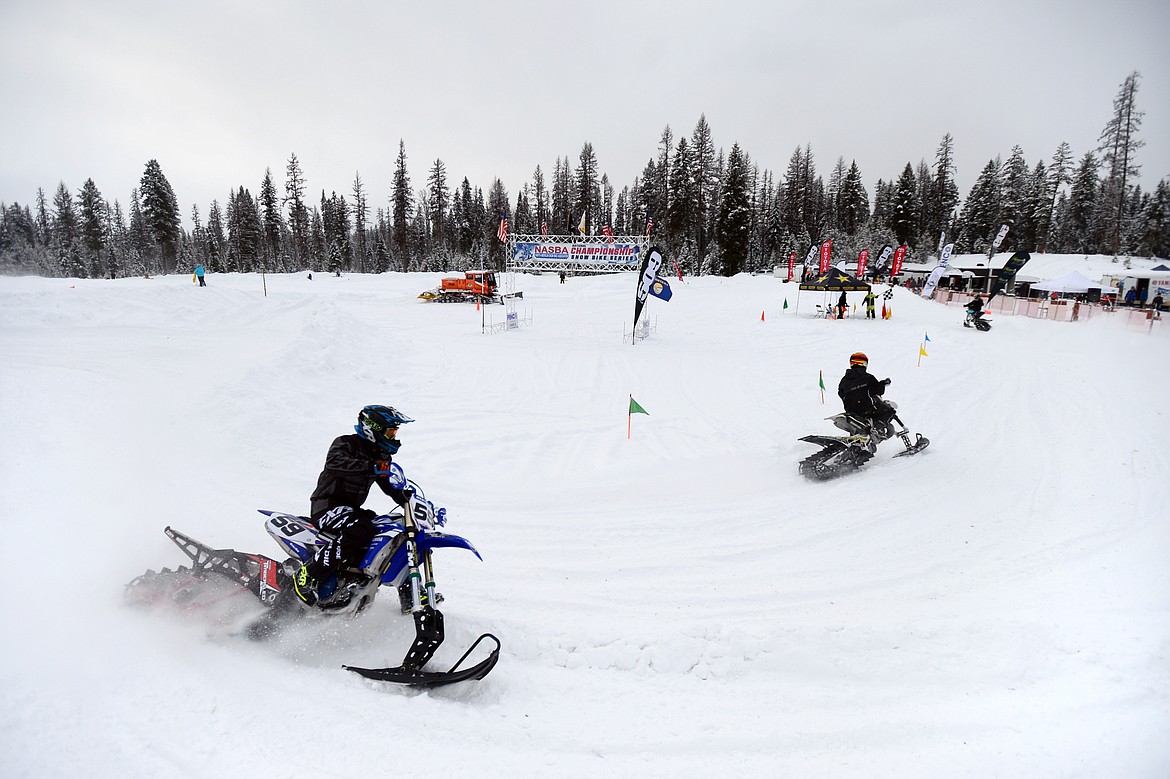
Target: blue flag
(660, 289)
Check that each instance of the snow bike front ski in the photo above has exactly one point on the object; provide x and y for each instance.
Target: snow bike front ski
(400, 557)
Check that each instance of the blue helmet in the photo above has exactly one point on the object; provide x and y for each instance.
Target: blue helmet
(379, 425)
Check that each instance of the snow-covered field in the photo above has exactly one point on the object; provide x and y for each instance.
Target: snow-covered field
(678, 604)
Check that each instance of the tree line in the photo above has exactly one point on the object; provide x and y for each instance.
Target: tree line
(714, 212)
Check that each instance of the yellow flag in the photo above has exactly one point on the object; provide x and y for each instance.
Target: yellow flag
(922, 350)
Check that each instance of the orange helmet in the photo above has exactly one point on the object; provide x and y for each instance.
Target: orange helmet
(858, 358)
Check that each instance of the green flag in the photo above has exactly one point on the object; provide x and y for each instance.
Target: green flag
(822, 380)
(636, 409)
(785, 302)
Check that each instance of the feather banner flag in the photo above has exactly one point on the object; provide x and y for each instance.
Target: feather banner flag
(1007, 274)
(826, 255)
(647, 275)
(581, 226)
(899, 255)
(635, 408)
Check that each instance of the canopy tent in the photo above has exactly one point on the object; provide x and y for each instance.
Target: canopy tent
(1073, 283)
(835, 281)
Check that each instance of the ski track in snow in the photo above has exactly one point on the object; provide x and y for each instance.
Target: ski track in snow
(678, 604)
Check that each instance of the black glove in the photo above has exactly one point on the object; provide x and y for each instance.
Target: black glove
(407, 494)
(886, 382)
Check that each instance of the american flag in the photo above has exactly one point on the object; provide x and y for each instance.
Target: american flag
(607, 231)
(543, 227)
(649, 225)
(502, 233)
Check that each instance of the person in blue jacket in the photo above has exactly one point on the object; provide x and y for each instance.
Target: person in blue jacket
(199, 275)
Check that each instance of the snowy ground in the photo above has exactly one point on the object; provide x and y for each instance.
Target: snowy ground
(679, 604)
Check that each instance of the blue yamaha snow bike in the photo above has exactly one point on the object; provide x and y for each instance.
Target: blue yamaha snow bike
(398, 557)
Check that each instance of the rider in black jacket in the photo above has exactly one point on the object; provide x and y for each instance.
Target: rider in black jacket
(861, 393)
(354, 463)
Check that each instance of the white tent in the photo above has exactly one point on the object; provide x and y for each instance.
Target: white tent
(1070, 282)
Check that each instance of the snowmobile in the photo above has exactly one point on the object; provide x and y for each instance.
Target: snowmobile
(980, 322)
(844, 454)
(399, 557)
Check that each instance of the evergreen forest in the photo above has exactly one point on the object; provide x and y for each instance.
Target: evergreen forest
(712, 209)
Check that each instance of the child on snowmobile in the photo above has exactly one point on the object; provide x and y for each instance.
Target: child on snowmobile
(353, 464)
(861, 394)
(975, 308)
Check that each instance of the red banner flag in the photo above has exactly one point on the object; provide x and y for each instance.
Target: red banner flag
(791, 262)
(899, 254)
(826, 254)
(862, 261)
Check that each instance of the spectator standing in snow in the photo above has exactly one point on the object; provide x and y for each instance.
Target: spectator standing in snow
(870, 299)
(1157, 302)
(842, 305)
(199, 275)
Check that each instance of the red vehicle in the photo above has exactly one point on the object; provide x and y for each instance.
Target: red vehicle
(474, 285)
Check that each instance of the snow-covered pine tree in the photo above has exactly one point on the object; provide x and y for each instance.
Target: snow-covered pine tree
(733, 227)
(66, 232)
(1082, 203)
(497, 204)
(361, 215)
(979, 220)
(1119, 144)
(904, 214)
(216, 240)
(160, 210)
(1015, 199)
(852, 201)
(271, 221)
(298, 213)
(94, 229)
(402, 204)
(587, 199)
(438, 202)
(1057, 177)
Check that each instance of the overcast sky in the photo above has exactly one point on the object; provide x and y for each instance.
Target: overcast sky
(217, 91)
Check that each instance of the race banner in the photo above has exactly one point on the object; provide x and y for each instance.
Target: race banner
(899, 255)
(598, 253)
(1007, 273)
(862, 259)
(791, 262)
(1003, 231)
(647, 275)
(939, 270)
(826, 255)
(883, 259)
(809, 259)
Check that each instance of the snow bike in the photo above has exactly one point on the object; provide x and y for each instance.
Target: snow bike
(844, 454)
(399, 557)
(980, 323)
